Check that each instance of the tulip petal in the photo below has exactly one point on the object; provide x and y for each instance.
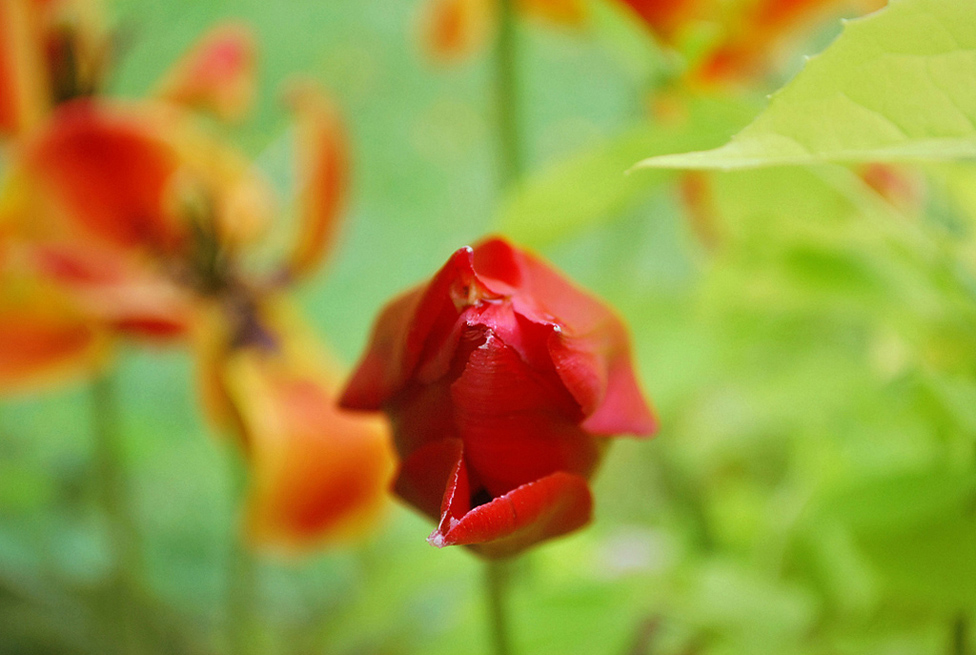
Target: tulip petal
(451, 30)
(546, 508)
(590, 350)
(323, 170)
(44, 338)
(125, 293)
(563, 12)
(402, 331)
(217, 74)
(424, 475)
(664, 17)
(508, 412)
(745, 51)
(318, 474)
(110, 172)
(23, 75)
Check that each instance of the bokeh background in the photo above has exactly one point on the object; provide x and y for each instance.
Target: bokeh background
(807, 341)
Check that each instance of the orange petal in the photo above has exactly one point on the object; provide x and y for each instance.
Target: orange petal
(218, 74)
(747, 49)
(902, 186)
(24, 93)
(562, 12)
(323, 172)
(108, 172)
(453, 29)
(44, 338)
(319, 474)
(665, 17)
(123, 292)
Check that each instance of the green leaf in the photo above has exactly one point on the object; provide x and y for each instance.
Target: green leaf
(918, 532)
(904, 499)
(594, 187)
(931, 562)
(897, 85)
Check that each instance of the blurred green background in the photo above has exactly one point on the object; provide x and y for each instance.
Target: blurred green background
(811, 490)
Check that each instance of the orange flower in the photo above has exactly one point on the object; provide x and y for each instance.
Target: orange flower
(130, 219)
(453, 29)
(750, 31)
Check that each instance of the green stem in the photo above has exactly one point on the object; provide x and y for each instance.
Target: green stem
(496, 589)
(506, 95)
(960, 635)
(241, 573)
(119, 601)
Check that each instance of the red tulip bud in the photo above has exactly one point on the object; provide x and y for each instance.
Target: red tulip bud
(501, 381)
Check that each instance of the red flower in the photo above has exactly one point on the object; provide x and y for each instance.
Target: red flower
(501, 380)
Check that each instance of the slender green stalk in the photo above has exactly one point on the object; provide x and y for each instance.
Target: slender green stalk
(496, 594)
(506, 95)
(510, 172)
(960, 635)
(119, 600)
(241, 573)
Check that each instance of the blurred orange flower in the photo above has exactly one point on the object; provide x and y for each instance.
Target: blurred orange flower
(742, 37)
(130, 219)
(453, 29)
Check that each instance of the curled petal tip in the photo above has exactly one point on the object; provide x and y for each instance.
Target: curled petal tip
(218, 74)
(437, 540)
(450, 30)
(322, 154)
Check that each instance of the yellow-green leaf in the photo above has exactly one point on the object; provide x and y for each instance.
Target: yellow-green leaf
(897, 85)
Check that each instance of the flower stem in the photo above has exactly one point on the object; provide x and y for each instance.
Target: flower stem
(496, 589)
(960, 635)
(241, 572)
(506, 95)
(119, 600)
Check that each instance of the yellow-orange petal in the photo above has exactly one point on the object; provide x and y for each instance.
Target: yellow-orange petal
(44, 338)
(450, 30)
(745, 50)
(561, 12)
(24, 84)
(902, 186)
(322, 170)
(665, 18)
(218, 74)
(318, 474)
(125, 293)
